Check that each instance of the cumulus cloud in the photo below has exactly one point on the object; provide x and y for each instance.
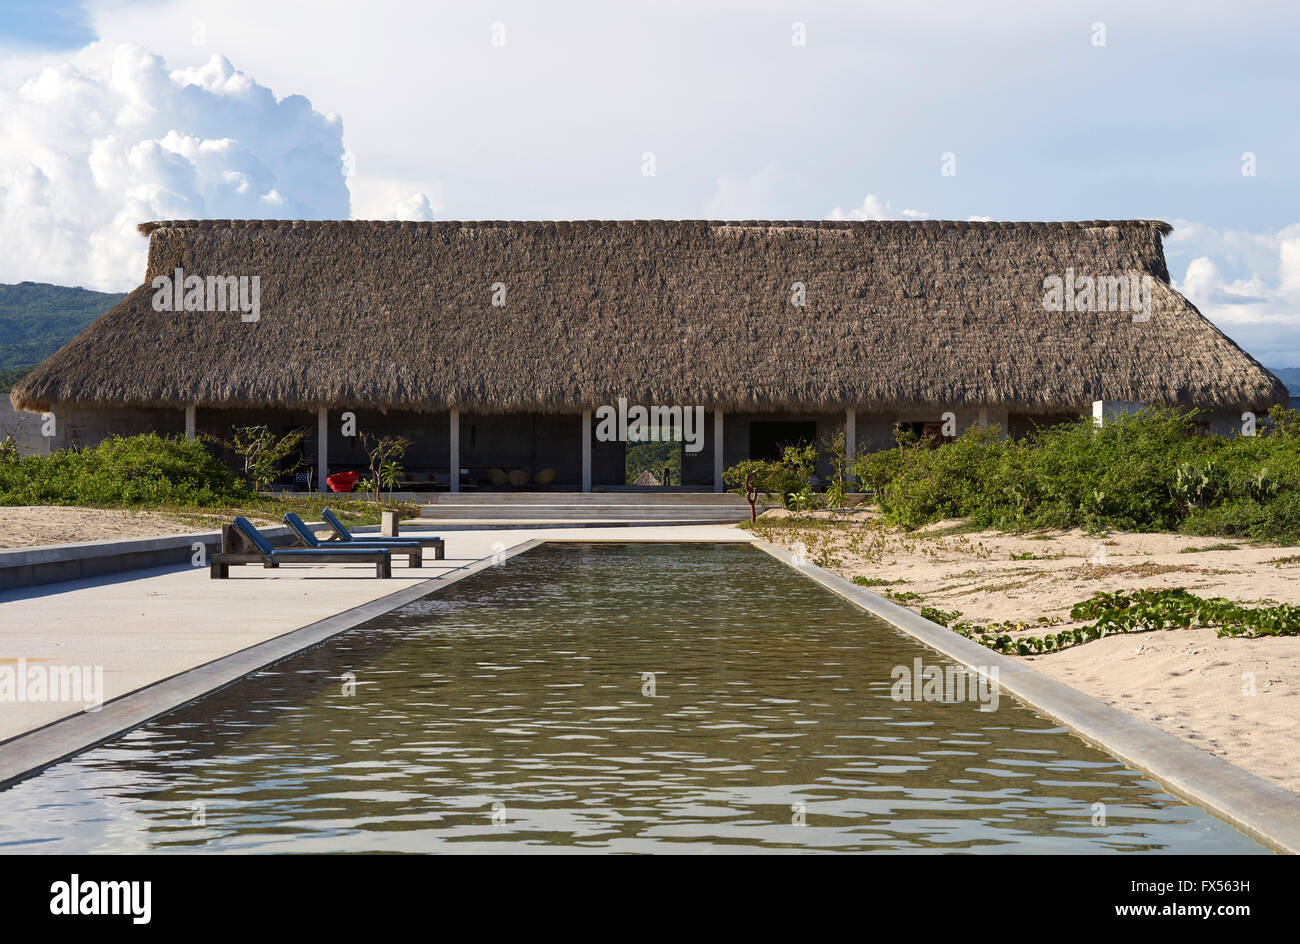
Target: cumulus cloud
(876, 208)
(1247, 283)
(415, 207)
(86, 156)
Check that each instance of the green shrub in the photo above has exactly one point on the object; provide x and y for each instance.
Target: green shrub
(121, 472)
(1143, 472)
(933, 484)
(786, 478)
(790, 475)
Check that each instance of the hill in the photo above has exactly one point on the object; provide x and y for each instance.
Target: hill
(1289, 376)
(36, 319)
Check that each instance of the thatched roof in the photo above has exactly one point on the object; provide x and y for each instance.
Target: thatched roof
(399, 315)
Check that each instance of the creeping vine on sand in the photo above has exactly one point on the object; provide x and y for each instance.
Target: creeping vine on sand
(1141, 611)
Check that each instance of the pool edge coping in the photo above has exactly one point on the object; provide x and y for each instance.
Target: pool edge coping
(1262, 810)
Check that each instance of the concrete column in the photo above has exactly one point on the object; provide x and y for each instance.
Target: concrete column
(718, 485)
(1103, 410)
(982, 419)
(455, 450)
(190, 412)
(850, 442)
(586, 450)
(322, 448)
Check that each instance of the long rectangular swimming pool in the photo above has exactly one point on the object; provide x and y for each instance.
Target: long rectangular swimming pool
(631, 698)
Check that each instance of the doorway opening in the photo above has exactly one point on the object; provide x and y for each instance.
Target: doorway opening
(654, 464)
(768, 438)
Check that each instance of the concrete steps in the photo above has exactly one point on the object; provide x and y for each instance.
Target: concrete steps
(570, 512)
(445, 525)
(615, 508)
(586, 498)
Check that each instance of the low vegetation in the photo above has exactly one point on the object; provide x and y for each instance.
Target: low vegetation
(125, 472)
(1144, 472)
(791, 478)
(1141, 611)
(263, 453)
(170, 475)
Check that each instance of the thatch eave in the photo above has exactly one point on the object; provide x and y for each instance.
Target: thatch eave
(899, 315)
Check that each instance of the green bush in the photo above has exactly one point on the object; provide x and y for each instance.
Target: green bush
(945, 482)
(1143, 472)
(121, 472)
(786, 478)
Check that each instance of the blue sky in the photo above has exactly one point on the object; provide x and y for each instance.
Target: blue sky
(46, 24)
(525, 110)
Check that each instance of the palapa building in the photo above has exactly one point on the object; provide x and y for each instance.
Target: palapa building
(494, 346)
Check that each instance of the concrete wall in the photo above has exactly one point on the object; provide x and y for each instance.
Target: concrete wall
(81, 427)
(1226, 422)
(24, 428)
(35, 566)
(697, 467)
(608, 460)
(527, 441)
(429, 453)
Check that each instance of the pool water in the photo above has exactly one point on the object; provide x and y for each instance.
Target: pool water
(629, 698)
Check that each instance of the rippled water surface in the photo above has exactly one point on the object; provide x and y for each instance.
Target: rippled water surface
(513, 712)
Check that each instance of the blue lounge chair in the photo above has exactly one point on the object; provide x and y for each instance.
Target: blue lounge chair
(307, 538)
(241, 543)
(344, 536)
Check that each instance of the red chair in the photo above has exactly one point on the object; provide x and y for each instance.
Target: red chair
(343, 481)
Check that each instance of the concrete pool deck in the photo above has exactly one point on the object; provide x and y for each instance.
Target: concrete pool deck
(145, 626)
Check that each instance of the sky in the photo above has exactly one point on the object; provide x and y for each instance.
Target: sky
(117, 111)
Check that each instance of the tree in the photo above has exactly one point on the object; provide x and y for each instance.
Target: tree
(749, 478)
(263, 453)
(837, 489)
(384, 454)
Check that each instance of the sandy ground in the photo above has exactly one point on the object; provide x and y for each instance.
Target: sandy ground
(29, 526)
(1237, 698)
(32, 526)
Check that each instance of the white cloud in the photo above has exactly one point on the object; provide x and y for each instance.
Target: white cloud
(414, 207)
(1247, 283)
(380, 197)
(85, 156)
(876, 208)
